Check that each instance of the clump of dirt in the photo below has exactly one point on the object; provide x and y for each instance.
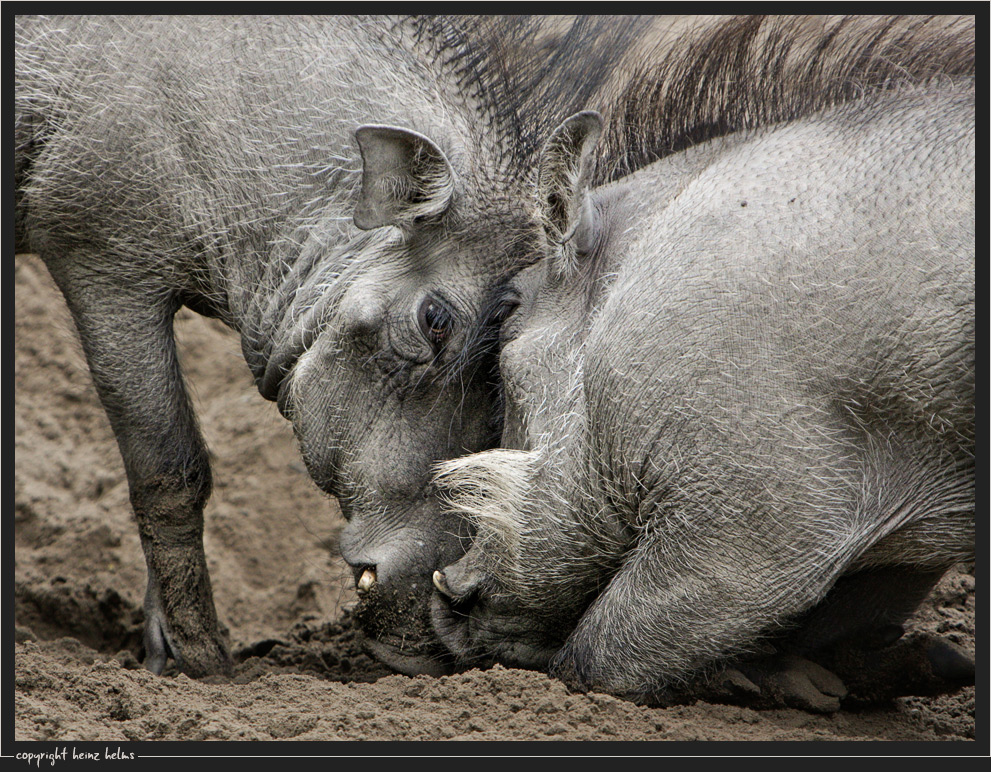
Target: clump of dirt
(285, 594)
(329, 650)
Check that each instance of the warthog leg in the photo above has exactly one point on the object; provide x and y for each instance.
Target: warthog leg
(126, 332)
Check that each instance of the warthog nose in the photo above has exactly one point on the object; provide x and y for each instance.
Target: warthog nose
(366, 581)
(440, 582)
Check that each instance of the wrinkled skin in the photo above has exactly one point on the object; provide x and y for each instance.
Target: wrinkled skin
(373, 406)
(739, 412)
(327, 188)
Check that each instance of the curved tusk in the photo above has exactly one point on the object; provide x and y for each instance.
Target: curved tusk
(440, 582)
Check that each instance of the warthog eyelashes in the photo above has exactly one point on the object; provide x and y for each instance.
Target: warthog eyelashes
(505, 310)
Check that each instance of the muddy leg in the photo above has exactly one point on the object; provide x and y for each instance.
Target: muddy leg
(127, 335)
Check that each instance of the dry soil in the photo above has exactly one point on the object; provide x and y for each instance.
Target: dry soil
(284, 594)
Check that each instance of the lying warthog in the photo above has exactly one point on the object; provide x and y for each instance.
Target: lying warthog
(739, 406)
(214, 163)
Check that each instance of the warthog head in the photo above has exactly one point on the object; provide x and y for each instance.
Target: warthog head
(389, 368)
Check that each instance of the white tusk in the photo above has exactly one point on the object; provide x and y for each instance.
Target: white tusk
(367, 580)
(440, 584)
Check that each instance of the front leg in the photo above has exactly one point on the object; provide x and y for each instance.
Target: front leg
(127, 336)
(180, 617)
(673, 615)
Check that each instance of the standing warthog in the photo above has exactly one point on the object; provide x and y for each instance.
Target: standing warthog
(343, 192)
(739, 405)
(250, 169)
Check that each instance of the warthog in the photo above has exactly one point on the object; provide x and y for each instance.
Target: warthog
(739, 405)
(252, 169)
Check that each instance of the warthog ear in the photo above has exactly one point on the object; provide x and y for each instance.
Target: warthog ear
(405, 176)
(561, 178)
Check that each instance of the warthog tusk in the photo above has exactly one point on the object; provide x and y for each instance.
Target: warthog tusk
(441, 584)
(367, 580)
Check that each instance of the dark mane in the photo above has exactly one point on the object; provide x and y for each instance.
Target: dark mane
(752, 71)
(664, 83)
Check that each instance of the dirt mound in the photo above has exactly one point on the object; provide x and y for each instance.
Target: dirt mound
(284, 593)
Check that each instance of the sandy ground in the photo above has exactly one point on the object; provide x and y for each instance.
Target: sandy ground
(283, 593)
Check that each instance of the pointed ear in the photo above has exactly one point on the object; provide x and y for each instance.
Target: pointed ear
(561, 176)
(405, 176)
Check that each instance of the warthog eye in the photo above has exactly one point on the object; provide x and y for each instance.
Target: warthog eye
(435, 321)
(505, 306)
